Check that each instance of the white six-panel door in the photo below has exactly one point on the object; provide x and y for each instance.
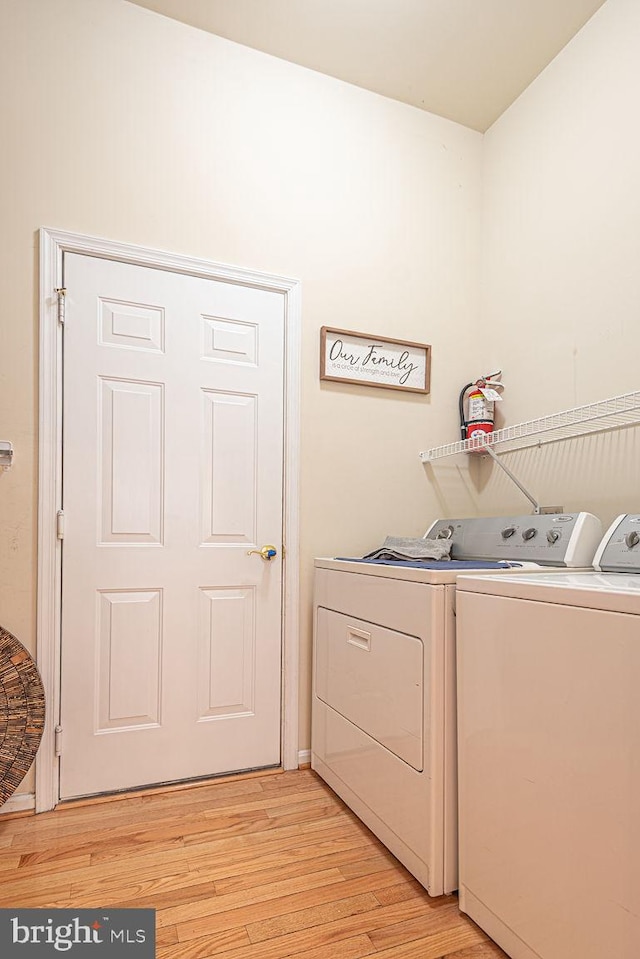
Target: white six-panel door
(172, 473)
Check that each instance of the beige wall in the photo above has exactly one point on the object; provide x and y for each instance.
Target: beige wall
(561, 274)
(120, 123)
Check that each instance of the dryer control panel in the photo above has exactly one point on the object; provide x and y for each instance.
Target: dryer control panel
(557, 539)
(619, 551)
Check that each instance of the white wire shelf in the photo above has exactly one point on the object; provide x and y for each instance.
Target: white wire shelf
(614, 413)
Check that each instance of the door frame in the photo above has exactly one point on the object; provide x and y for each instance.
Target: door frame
(53, 245)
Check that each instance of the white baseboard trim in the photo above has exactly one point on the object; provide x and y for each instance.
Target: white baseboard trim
(304, 757)
(18, 803)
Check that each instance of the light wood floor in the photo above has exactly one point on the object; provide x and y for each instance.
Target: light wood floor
(257, 868)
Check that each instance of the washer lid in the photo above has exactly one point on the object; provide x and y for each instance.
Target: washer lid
(618, 592)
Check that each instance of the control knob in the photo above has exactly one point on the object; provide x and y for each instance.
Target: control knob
(553, 535)
(529, 533)
(632, 539)
(508, 531)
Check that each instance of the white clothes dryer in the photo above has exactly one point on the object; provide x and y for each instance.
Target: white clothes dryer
(549, 755)
(384, 684)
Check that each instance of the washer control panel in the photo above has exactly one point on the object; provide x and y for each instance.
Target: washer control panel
(619, 551)
(557, 539)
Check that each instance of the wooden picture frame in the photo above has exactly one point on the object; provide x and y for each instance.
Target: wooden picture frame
(347, 356)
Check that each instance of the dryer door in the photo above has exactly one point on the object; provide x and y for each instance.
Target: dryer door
(373, 677)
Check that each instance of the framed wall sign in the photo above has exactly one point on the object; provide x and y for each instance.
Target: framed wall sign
(349, 357)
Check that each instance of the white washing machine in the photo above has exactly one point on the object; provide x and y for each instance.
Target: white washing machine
(384, 686)
(549, 756)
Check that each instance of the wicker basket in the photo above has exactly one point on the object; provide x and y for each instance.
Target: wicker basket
(22, 712)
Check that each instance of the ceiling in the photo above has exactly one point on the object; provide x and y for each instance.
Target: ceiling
(466, 60)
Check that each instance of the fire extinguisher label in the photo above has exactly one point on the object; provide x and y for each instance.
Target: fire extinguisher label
(480, 429)
(479, 408)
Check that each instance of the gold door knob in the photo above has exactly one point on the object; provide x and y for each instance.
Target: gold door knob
(267, 552)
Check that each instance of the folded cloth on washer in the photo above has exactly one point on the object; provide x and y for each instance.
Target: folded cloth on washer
(406, 547)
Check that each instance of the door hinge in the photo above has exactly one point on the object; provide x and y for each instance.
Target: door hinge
(58, 741)
(60, 524)
(61, 292)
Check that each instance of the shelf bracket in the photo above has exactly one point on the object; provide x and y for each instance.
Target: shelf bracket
(514, 479)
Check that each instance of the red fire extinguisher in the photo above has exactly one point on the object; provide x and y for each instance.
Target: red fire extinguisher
(480, 397)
